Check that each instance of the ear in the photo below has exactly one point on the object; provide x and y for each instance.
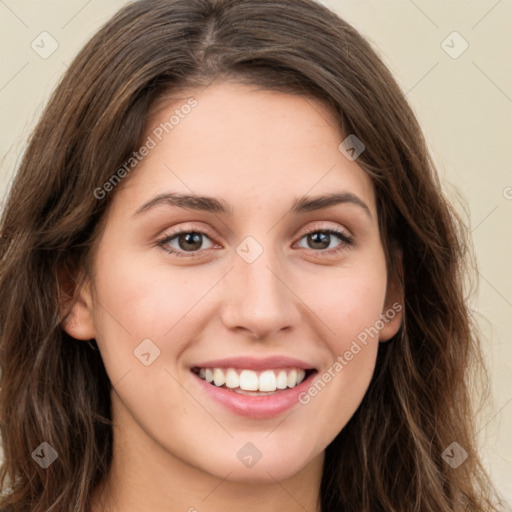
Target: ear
(76, 305)
(392, 313)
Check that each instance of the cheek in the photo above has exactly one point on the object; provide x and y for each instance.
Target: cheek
(350, 306)
(348, 302)
(140, 300)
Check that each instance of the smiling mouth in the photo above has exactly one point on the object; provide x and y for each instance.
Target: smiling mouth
(251, 382)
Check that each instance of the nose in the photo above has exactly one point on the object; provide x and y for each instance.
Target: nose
(258, 300)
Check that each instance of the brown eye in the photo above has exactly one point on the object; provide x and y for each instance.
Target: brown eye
(184, 241)
(189, 241)
(321, 240)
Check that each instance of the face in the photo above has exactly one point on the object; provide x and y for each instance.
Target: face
(275, 296)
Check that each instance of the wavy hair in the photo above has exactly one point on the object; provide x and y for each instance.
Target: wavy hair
(55, 389)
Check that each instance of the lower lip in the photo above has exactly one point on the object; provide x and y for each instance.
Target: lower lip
(256, 406)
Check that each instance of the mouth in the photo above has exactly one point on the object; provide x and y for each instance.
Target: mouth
(256, 388)
(249, 382)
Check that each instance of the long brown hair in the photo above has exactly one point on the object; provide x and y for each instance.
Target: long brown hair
(54, 389)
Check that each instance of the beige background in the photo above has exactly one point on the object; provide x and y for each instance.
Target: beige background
(464, 105)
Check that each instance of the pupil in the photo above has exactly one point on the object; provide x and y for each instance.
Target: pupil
(190, 239)
(321, 238)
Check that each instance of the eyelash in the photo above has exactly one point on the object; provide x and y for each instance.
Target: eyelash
(347, 241)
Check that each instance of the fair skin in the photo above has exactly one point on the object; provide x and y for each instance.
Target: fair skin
(175, 447)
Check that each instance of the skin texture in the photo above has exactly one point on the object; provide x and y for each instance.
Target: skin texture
(175, 448)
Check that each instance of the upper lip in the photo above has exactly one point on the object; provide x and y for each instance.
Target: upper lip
(252, 363)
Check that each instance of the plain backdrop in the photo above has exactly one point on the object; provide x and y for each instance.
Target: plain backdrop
(453, 61)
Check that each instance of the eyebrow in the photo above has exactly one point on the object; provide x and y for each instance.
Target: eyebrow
(220, 206)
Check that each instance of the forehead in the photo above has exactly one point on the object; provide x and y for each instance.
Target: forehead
(248, 146)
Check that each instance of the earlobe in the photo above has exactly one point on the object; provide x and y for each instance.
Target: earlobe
(392, 315)
(392, 320)
(76, 309)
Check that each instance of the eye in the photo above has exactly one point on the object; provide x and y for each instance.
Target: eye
(320, 239)
(187, 241)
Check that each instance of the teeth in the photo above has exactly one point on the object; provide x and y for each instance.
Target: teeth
(282, 380)
(292, 378)
(249, 380)
(232, 379)
(219, 378)
(267, 381)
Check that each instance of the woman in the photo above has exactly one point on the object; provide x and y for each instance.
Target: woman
(173, 338)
